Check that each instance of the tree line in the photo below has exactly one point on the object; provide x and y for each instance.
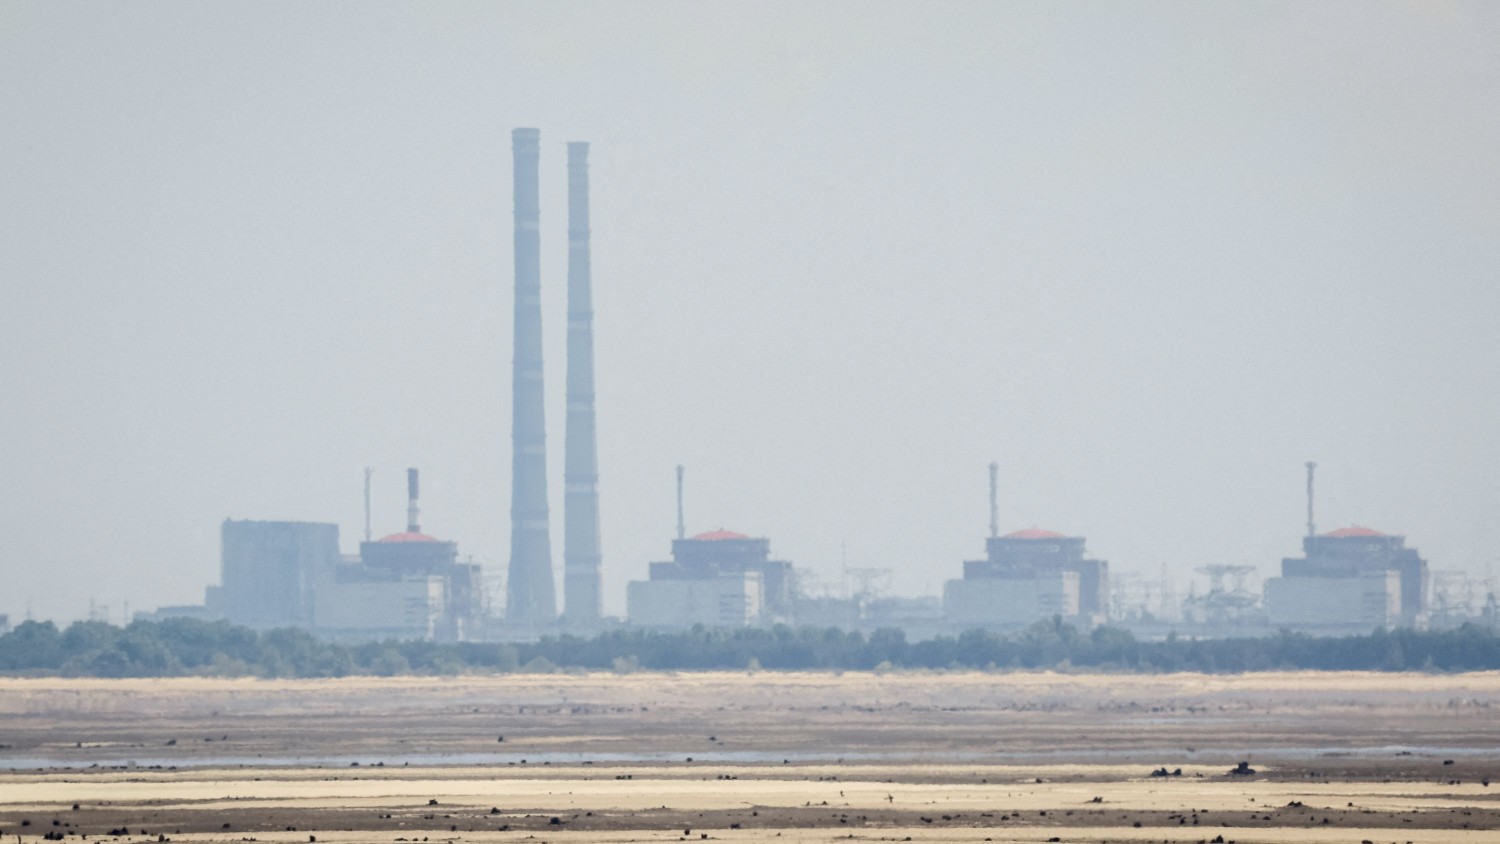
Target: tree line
(190, 647)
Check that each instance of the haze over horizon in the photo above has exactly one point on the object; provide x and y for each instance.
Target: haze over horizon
(1149, 258)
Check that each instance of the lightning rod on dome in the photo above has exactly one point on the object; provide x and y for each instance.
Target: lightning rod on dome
(412, 525)
(681, 523)
(994, 499)
(368, 472)
(1311, 467)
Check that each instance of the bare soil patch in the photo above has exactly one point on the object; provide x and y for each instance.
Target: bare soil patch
(741, 757)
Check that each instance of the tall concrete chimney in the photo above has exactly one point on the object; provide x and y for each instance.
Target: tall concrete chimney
(531, 596)
(412, 523)
(582, 562)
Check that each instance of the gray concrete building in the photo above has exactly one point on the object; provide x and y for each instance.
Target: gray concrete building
(355, 605)
(1027, 576)
(406, 585)
(291, 574)
(269, 571)
(718, 578)
(441, 598)
(730, 599)
(1353, 579)
(1354, 604)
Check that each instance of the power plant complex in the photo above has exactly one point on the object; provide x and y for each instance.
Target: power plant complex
(412, 585)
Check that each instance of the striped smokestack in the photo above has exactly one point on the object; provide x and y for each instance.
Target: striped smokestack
(530, 597)
(581, 557)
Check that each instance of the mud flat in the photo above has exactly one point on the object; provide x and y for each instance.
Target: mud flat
(1337, 757)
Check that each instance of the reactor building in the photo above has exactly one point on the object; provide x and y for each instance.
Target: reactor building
(1353, 579)
(717, 579)
(1025, 577)
(291, 574)
(1028, 576)
(406, 585)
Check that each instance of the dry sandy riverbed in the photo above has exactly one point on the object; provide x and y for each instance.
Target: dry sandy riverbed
(805, 757)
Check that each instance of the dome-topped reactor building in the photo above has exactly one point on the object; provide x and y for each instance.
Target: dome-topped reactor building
(1027, 576)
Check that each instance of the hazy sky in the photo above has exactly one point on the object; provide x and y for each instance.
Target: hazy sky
(1150, 257)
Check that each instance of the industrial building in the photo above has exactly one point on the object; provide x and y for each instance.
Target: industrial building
(269, 570)
(717, 579)
(1027, 576)
(407, 585)
(1353, 579)
(291, 574)
(353, 605)
(412, 585)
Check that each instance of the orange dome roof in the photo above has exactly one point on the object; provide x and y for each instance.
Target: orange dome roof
(1033, 533)
(719, 534)
(409, 537)
(1353, 530)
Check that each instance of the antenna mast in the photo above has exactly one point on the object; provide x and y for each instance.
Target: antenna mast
(1311, 467)
(412, 525)
(994, 500)
(368, 472)
(681, 524)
